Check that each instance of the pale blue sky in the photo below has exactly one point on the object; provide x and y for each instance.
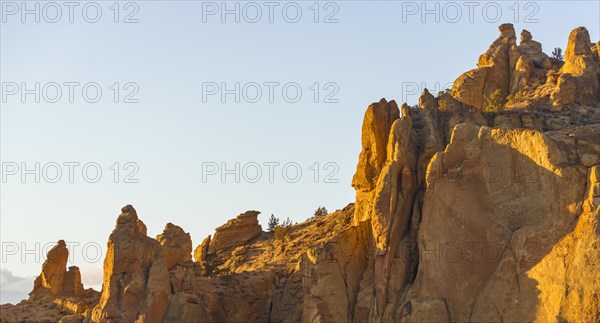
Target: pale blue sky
(371, 52)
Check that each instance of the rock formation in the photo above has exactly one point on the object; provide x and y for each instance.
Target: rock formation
(136, 279)
(463, 213)
(53, 271)
(184, 305)
(60, 286)
(56, 292)
(524, 75)
(376, 129)
(582, 64)
(202, 250)
(493, 71)
(236, 232)
(176, 244)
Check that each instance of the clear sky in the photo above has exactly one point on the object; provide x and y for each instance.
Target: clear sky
(173, 68)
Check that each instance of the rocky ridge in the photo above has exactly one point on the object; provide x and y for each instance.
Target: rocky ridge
(467, 209)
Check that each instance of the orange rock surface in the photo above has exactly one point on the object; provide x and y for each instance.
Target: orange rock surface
(462, 214)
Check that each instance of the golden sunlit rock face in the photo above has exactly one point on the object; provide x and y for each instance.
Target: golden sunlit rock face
(56, 291)
(136, 278)
(481, 204)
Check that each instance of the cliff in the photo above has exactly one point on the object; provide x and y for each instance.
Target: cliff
(480, 204)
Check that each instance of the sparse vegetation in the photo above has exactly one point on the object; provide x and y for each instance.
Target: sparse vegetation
(273, 222)
(557, 54)
(495, 102)
(512, 99)
(321, 211)
(282, 230)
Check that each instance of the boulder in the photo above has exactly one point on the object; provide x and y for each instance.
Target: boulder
(236, 232)
(532, 49)
(582, 65)
(565, 92)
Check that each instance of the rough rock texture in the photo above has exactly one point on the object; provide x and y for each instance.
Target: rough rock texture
(136, 279)
(525, 76)
(533, 50)
(287, 281)
(202, 250)
(72, 282)
(493, 71)
(583, 66)
(462, 215)
(60, 286)
(376, 128)
(53, 271)
(473, 215)
(331, 275)
(176, 244)
(236, 232)
(56, 292)
(184, 304)
(504, 222)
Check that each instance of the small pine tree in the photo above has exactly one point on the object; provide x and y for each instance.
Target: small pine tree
(287, 223)
(495, 102)
(273, 223)
(281, 230)
(321, 211)
(557, 53)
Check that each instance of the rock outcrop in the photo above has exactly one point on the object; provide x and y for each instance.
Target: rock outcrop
(61, 287)
(493, 71)
(236, 232)
(53, 271)
(583, 68)
(202, 250)
(176, 244)
(136, 278)
(469, 213)
(376, 129)
(184, 305)
(475, 212)
(56, 292)
(525, 76)
(463, 213)
(72, 282)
